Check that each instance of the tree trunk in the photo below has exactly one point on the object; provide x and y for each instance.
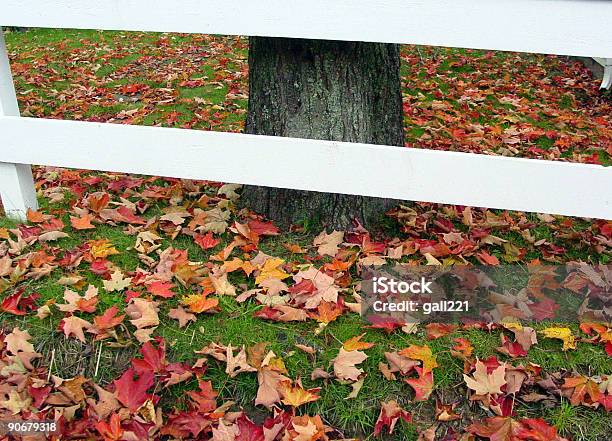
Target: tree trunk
(329, 90)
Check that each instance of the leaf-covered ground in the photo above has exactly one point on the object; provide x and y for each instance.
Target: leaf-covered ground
(139, 307)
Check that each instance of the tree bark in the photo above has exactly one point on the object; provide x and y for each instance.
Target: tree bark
(328, 90)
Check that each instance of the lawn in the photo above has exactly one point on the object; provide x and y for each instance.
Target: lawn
(179, 266)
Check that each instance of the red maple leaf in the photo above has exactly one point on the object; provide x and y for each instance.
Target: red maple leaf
(305, 286)
(109, 319)
(154, 359)
(388, 324)
(161, 289)
(487, 259)
(536, 429)
(100, 267)
(39, 394)
(437, 330)
(19, 304)
(206, 241)
(390, 413)
(203, 400)
(545, 309)
(423, 386)
(183, 424)
(131, 388)
(249, 431)
(263, 228)
(510, 348)
(112, 430)
(267, 313)
(129, 217)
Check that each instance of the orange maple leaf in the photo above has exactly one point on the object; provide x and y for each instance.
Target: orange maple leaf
(82, 223)
(200, 302)
(422, 353)
(355, 344)
(296, 395)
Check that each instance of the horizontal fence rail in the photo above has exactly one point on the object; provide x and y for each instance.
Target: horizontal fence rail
(325, 166)
(564, 27)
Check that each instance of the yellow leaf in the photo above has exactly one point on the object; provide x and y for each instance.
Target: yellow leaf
(199, 303)
(271, 270)
(296, 395)
(102, 248)
(564, 334)
(422, 353)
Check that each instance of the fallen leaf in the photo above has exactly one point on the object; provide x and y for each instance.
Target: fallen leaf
(296, 396)
(327, 244)
(355, 344)
(117, 282)
(74, 325)
(483, 383)
(82, 223)
(423, 385)
(182, 316)
(345, 364)
(422, 353)
(237, 364)
(390, 413)
(564, 334)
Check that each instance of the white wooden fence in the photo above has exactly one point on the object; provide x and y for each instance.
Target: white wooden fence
(568, 27)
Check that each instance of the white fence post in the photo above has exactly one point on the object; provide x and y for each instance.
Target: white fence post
(16, 182)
